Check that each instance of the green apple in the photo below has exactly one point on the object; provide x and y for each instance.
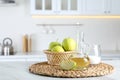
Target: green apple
(52, 44)
(69, 44)
(57, 49)
(68, 65)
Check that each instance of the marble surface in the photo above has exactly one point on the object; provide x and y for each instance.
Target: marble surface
(19, 71)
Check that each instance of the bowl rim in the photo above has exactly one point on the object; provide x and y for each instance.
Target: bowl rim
(67, 52)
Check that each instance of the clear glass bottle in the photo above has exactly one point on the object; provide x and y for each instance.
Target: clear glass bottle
(82, 59)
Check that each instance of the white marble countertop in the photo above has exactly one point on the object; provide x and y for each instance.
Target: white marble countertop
(19, 71)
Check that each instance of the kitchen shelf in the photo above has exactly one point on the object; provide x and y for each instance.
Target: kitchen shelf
(77, 24)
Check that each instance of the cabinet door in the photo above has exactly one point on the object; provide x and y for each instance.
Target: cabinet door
(43, 6)
(114, 7)
(95, 7)
(69, 7)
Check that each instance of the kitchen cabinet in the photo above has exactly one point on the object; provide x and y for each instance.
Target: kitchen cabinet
(101, 7)
(114, 7)
(69, 7)
(94, 7)
(75, 7)
(58, 7)
(43, 6)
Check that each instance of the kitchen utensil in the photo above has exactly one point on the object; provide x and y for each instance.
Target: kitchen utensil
(7, 48)
(29, 44)
(25, 43)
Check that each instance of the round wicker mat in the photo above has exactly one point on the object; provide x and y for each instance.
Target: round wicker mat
(44, 68)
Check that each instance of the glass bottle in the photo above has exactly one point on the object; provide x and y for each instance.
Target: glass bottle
(82, 59)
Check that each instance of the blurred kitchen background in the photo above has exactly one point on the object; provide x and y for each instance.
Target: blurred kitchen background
(16, 21)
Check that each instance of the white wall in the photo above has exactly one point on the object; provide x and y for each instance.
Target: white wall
(15, 21)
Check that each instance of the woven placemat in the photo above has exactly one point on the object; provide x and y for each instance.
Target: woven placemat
(44, 68)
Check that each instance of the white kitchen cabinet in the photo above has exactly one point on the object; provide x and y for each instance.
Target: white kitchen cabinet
(113, 7)
(101, 7)
(94, 7)
(58, 7)
(43, 6)
(73, 7)
(69, 7)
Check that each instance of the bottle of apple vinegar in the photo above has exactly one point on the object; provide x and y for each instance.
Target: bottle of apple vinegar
(82, 60)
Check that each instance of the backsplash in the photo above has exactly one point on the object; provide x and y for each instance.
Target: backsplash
(19, 21)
